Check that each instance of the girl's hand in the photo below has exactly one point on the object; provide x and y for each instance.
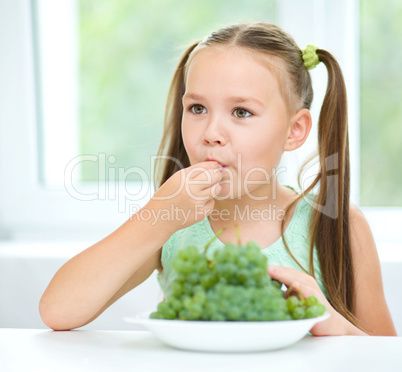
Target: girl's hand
(190, 193)
(295, 281)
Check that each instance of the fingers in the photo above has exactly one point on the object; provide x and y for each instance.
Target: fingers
(205, 178)
(284, 275)
(295, 280)
(209, 164)
(206, 168)
(215, 190)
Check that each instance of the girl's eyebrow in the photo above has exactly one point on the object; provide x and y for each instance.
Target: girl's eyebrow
(235, 99)
(193, 96)
(246, 99)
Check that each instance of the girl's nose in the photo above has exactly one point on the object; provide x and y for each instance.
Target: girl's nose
(214, 133)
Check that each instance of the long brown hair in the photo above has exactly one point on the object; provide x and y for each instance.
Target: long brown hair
(329, 227)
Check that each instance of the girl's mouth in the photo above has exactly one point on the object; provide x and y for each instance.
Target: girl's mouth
(221, 165)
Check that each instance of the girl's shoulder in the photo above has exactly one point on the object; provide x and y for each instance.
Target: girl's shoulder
(305, 206)
(360, 232)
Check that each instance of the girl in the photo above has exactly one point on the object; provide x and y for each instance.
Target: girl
(238, 100)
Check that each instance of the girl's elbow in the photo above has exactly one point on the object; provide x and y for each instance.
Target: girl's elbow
(52, 317)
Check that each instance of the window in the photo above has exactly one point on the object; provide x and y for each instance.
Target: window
(84, 89)
(127, 59)
(380, 103)
(381, 117)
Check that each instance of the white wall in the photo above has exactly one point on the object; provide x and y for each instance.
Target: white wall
(27, 268)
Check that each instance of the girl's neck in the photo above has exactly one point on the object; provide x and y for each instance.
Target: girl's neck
(249, 209)
(257, 220)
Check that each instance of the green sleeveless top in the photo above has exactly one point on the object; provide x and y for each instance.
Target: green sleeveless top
(296, 235)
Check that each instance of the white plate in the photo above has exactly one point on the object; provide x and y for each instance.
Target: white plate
(226, 336)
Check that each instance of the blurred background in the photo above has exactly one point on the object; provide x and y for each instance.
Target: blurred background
(83, 86)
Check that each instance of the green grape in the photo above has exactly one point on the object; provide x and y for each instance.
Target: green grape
(253, 247)
(184, 315)
(250, 282)
(207, 281)
(315, 310)
(292, 302)
(230, 253)
(242, 261)
(187, 267)
(258, 306)
(200, 298)
(175, 303)
(169, 314)
(322, 307)
(247, 294)
(311, 301)
(223, 304)
(233, 285)
(181, 278)
(242, 275)
(162, 307)
(156, 315)
(177, 264)
(198, 288)
(201, 266)
(246, 307)
(252, 315)
(257, 273)
(276, 315)
(264, 282)
(218, 317)
(230, 270)
(187, 302)
(188, 288)
(211, 307)
(219, 256)
(234, 313)
(194, 308)
(276, 284)
(222, 280)
(190, 253)
(224, 291)
(193, 277)
(177, 288)
(312, 312)
(298, 312)
(266, 315)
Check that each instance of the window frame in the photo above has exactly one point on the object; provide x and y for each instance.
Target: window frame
(31, 210)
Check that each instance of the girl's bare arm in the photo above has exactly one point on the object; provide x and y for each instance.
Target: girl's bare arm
(90, 282)
(371, 307)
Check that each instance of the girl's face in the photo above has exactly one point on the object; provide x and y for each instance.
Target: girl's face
(233, 112)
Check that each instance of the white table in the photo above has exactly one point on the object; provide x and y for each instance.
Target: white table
(37, 350)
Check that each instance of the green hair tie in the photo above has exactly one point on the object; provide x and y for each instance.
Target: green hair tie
(310, 58)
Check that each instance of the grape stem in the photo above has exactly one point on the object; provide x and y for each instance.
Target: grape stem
(238, 234)
(216, 236)
(291, 289)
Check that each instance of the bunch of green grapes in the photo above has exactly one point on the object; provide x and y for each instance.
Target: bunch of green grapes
(233, 286)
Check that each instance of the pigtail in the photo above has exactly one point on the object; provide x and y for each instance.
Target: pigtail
(330, 219)
(167, 165)
(329, 227)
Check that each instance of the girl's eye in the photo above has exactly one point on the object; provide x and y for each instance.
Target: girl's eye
(241, 113)
(197, 109)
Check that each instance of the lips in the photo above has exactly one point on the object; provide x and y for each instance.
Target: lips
(213, 159)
